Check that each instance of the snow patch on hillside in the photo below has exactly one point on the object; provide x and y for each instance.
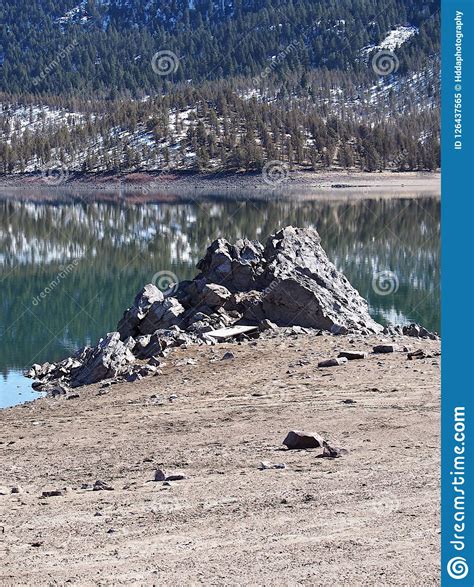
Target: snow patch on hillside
(397, 37)
(33, 119)
(394, 39)
(77, 14)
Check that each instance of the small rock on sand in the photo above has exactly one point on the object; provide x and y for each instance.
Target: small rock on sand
(333, 452)
(266, 465)
(175, 477)
(53, 493)
(352, 355)
(418, 354)
(102, 486)
(296, 439)
(160, 475)
(333, 362)
(386, 348)
(267, 325)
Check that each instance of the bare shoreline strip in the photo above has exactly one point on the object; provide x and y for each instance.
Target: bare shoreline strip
(161, 188)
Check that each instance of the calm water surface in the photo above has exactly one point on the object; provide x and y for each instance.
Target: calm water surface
(68, 271)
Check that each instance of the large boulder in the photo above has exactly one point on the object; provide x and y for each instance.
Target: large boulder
(304, 288)
(297, 439)
(161, 315)
(132, 317)
(237, 267)
(290, 281)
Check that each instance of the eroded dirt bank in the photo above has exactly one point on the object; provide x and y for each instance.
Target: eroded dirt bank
(368, 518)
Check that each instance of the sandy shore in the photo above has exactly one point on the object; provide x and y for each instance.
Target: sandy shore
(368, 518)
(161, 187)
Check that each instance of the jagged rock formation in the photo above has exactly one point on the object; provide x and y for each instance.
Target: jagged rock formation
(289, 282)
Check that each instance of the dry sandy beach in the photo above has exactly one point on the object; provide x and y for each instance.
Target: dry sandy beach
(367, 518)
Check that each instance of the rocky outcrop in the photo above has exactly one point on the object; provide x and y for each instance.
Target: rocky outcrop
(305, 288)
(108, 359)
(238, 267)
(288, 282)
(143, 302)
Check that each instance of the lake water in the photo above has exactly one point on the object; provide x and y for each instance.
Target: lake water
(68, 270)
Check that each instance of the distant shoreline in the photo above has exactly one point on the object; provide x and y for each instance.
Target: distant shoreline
(143, 187)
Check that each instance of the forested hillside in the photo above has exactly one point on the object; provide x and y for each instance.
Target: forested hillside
(123, 85)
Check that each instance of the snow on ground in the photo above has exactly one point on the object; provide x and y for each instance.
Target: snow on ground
(397, 37)
(33, 119)
(75, 15)
(394, 39)
(36, 118)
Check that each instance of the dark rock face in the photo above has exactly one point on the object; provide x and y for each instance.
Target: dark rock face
(417, 331)
(108, 359)
(288, 282)
(413, 330)
(304, 287)
(161, 315)
(238, 266)
(144, 300)
(386, 348)
(296, 439)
